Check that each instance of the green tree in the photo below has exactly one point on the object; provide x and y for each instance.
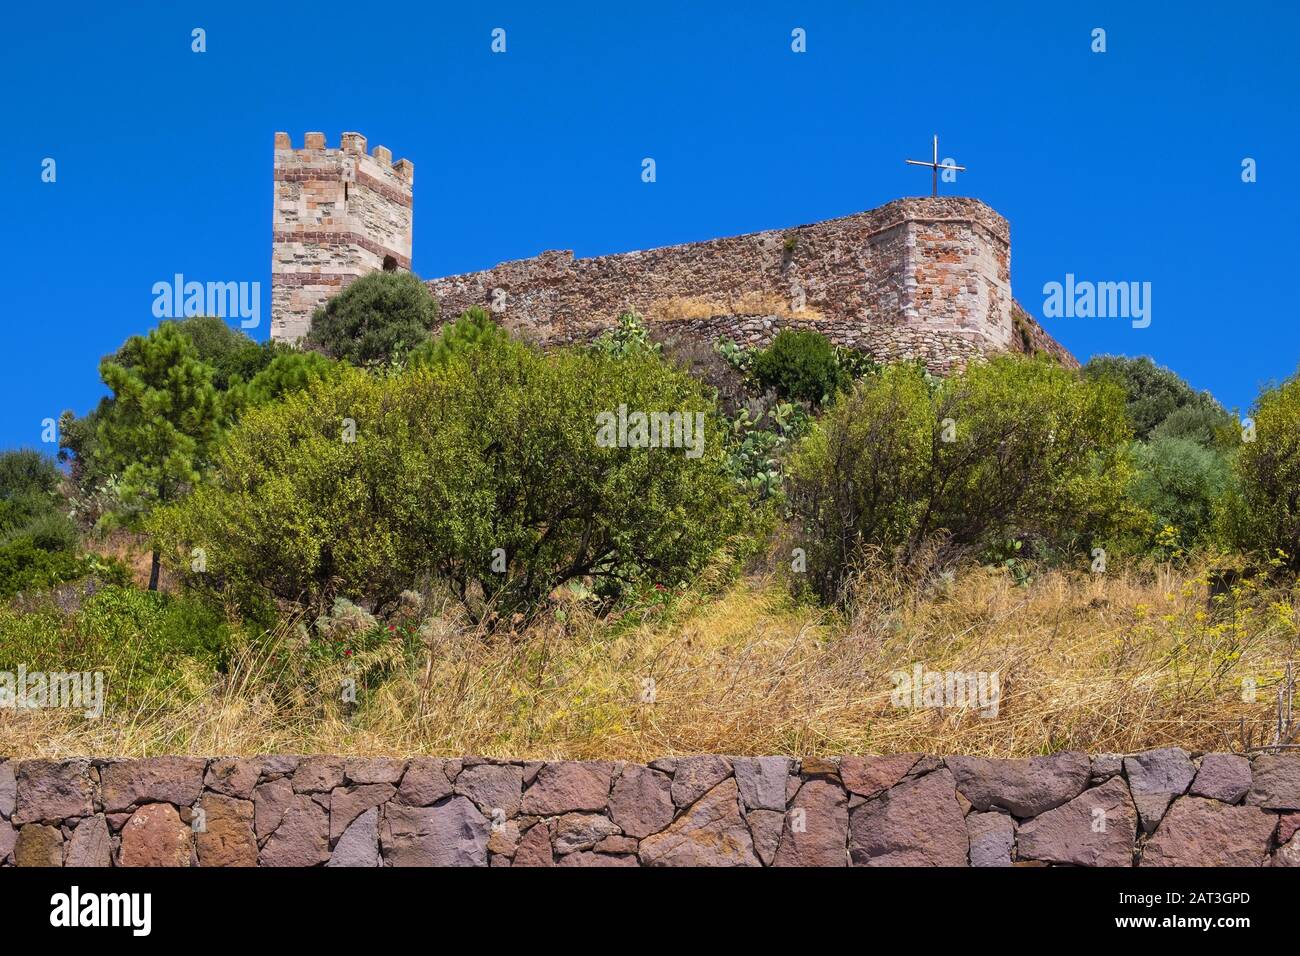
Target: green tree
(376, 320)
(1262, 515)
(1152, 392)
(289, 372)
(234, 358)
(1009, 448)
(1208, 425)
(37, 538)
(486, 472)
(161, 427)
(1180, 483)
(79, 446)
(473, 329)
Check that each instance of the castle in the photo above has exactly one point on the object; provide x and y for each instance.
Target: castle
(926, 278)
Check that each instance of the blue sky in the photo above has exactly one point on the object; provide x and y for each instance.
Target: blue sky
(1122, 166)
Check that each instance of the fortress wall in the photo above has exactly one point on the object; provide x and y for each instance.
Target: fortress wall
(1158, 808)
(927, 278)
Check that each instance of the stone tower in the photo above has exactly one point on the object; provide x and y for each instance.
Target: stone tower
(339, 214)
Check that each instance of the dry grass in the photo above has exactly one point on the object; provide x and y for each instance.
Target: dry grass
(1102, 663)
(747, 303)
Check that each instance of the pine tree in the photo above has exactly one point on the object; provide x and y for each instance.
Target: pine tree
(160, 428)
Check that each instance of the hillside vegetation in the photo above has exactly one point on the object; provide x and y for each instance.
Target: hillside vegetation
(401, 541)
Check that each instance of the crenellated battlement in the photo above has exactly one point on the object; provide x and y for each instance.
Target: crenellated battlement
(354, 144)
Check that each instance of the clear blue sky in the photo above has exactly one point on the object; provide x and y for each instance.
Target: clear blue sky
(1117, 166)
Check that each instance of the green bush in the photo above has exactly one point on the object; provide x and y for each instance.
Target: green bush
(53, 531)
(474, 329)
(630, 337)
(25, 567)
(24, 472)
(1262, 514)
(1010, 448)
(30, 499)
(1207, 425)
(495, 450)
(800, 366)
(152, 648)
(289, 372)
(37, 538)
(376, 320)
(1180, 483)
(1152, 393)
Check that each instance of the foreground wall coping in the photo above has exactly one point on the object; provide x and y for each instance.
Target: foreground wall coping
(1166, 807)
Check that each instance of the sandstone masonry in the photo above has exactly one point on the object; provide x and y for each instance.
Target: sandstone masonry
(1159, 808)
(926, 278)
(339, 214)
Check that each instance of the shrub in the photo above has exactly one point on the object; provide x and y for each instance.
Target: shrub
(473, 329)
(1207, 425)
(1262, 515)
(25, 566)
(37, 538)
(1152, 392)
(495, 450)
(376, 320)
(29, 493)
(800, 366)
(152, 647)
(24, 472)
(1011, 447)
(703, 361)
(1180, 483)
(53, 531)
(289, 372)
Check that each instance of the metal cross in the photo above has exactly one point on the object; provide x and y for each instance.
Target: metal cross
(935, 166)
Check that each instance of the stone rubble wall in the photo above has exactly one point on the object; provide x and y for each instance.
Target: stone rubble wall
(926, 278)
(1158, 808)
